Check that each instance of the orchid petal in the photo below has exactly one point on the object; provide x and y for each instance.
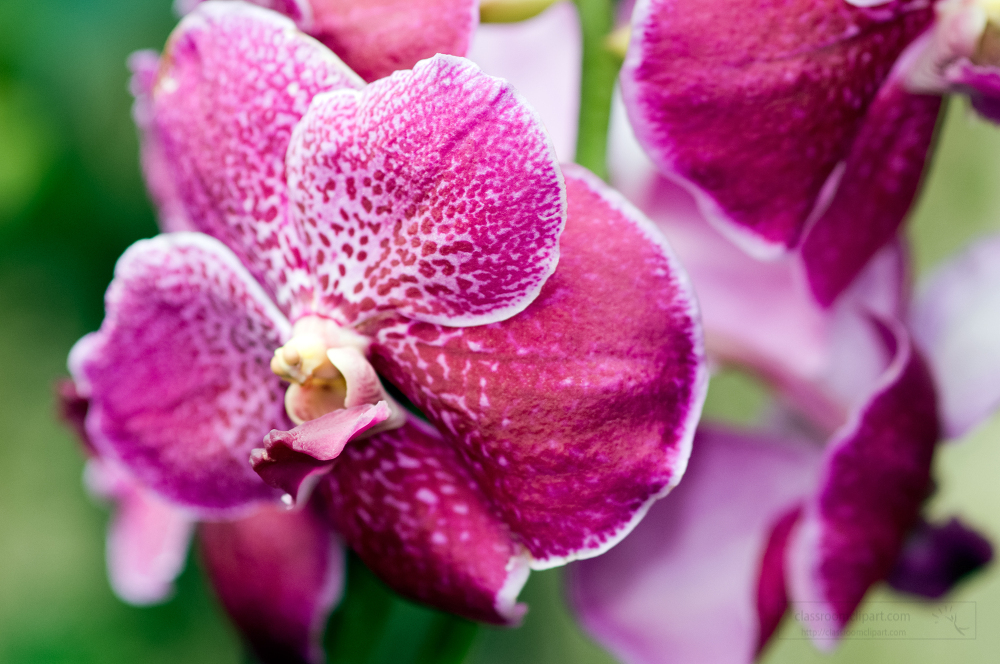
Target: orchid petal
(876, 475)
(294, 460)
(683, 586)
(433, 192)
(541, 58)
(148, 538)
(752, 106)
(578, 413)
(278, 574)
(936, 557)
(879, 181)
(407, 505)
(236, 79)
(981, 83)
(178, 376)
(956, 321)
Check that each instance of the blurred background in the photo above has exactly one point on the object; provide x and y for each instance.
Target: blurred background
(71, 200)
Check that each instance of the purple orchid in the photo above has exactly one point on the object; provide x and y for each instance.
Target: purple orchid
(803, 125)
(810, 516)
(378, 37)
(418, 231)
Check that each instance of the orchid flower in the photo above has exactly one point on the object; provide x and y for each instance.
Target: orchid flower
(803, 126)
(809, 516)
(338, 238)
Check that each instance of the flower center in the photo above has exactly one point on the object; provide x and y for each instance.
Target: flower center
(328, 371)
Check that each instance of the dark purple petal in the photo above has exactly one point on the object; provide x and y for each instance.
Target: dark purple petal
(178, 376)
(936, 557)
(956, 321)
(404, 501)
(876, 475)
(752, 105)
(434, 193)
(235, 81)
(981, 83)
(294, 460)
(278, 574)
(879, 181)
(772, 588)
(683, 586)
(578, 413)
(148, 538)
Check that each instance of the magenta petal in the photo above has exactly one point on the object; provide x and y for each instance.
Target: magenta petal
(434, 192)
(752, 105)
(956, 321)
(278, 574)
(879, 181)
(981, 83)
(577, 413)
(178, 376)
(236, 79)
(772, 585)
(540, 57)
(683, 586)
(876, 475)
(405, 502)
(147, 538)
(294, 460)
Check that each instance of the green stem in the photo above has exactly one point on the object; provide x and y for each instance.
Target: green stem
(597, 82)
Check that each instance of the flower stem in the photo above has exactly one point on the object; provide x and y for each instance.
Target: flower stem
(597, 82)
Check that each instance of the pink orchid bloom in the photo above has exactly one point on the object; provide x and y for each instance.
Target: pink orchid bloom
(378, 37)
(809, 517)
(803, 126)
(416, 231)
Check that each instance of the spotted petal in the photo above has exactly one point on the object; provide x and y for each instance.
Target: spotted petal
(578, 413)
(234, 82)
(434, 193)
(753, 105)
(875, 476)
(178, 376)
(683, 586)
(278, 574)
(406, 503)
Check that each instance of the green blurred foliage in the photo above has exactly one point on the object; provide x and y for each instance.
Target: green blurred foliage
(72, 199)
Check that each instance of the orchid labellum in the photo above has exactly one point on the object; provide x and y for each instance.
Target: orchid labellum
(339, 244)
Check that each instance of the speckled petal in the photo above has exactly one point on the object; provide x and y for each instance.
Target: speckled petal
(294, 460)
(179, 377)
(682, 588)
(147, 540)
(956, 321)
(404, 501)
(434, 193)
(880, 179)
(278, 574)
(235, 81)
(876, 475)
(578, 413)
(753, 104)
(541, 58)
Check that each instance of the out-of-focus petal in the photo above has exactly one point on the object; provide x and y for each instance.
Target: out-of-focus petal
(294, 460)
(876, 475)
(936, 557)
(147, 539)
(178, 376)
(880, 177)
(683, 586)
(278, 574)
(541, 58)
(407, 505)
(752, 106)
(772, 587)
(577, 413)
(981, 83)
(236, 80)
(434, 192)
(956, 322)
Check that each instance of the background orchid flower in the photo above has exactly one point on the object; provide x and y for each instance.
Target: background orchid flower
(797, 126)
(409, 228)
